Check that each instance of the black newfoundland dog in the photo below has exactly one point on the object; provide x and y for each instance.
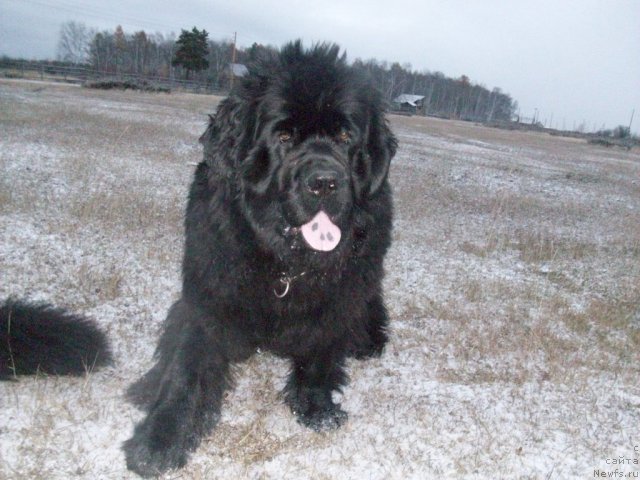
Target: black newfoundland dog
(288, 220)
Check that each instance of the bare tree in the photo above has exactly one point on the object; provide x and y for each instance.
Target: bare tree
(73, 45)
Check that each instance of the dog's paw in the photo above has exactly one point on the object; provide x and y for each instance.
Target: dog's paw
(148, 462)
(323, 419)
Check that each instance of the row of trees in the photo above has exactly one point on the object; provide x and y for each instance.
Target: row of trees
(194, 56)
(141, 53)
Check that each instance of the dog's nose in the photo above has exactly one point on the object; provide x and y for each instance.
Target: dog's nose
(322, 183)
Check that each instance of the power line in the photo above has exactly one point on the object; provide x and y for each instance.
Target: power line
(89, 11)
(103, 14)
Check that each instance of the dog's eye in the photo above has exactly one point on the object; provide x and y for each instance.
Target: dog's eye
(284, 137)
(344, 136)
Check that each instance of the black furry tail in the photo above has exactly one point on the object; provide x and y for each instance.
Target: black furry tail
(38, 338)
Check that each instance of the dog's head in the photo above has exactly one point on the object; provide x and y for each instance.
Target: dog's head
(304, 141)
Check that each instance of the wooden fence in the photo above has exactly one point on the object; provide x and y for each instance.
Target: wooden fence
(81, 74)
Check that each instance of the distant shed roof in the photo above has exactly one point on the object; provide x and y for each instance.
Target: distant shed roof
(410, 99)
(238, 69)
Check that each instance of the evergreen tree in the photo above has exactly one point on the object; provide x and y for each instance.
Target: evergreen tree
(192, 51)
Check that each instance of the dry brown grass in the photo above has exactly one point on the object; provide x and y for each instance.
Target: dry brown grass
(547, 213)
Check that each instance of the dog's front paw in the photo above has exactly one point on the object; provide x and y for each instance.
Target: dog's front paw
(150, 458)
(314, 409)
(323, 419)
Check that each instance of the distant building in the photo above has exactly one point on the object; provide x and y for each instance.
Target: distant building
(409, 103)
(233, 71)
(238, 69)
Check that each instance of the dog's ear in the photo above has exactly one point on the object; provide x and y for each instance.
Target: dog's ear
(380, 146)
(232, 130)
(223, 139)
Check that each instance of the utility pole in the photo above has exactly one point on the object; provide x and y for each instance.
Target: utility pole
(233, 59)
(631, 121)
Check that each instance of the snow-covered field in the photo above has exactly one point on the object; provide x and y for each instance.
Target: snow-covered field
(513, 286)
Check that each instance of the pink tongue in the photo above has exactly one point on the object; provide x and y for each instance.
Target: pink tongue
(320, 233)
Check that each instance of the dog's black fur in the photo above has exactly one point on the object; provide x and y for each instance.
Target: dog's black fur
(303, 133)
(38, 338)
(297, 114)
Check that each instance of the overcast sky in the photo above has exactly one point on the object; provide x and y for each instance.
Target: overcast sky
(573, 61)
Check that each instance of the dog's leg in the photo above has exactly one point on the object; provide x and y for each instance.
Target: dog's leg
(370, 343)
(186, 398)
(376, 329)
(311, 382)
